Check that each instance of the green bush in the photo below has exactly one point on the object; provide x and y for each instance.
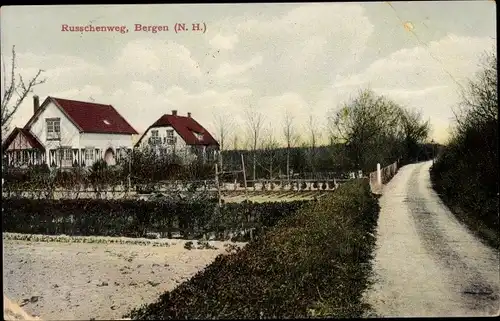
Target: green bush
(134, 218)
(312, 263)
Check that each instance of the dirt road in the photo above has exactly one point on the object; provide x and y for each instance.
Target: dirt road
(426, 262)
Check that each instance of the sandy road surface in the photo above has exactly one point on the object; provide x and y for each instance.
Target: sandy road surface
(69, 281)
(426, 262)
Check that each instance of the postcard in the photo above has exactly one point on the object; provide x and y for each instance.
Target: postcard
(271, 160)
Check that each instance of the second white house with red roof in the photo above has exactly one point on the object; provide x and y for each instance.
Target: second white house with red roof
(69, 133)
(180, 136)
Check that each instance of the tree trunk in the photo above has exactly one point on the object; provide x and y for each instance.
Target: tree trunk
(288, 164)
(271, 169)
(254, 166)
(220, 161)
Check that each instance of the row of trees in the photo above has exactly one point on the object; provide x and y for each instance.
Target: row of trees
(466, 173)
(362, 132)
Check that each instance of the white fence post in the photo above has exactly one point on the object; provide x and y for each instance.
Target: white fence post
(379, 175)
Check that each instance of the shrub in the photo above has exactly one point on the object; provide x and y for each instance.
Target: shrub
(309, 263)
(466, 173)
(134, 218)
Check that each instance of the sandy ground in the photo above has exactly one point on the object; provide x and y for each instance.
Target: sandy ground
(427, 263)
(12, 311)
(68, 281)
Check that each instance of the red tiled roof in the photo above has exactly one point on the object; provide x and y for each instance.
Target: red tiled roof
(32, 140)
(186, 127)
(95, 118)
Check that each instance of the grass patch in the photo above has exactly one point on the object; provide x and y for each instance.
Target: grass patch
(314, 263)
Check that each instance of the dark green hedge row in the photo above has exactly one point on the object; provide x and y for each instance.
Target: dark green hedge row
(312, 263)
(134, 218)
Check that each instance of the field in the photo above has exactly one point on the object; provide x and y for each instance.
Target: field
(75, 279)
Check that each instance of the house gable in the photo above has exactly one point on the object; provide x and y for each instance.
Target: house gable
(69, 131)
(19, 139)
(49, 101)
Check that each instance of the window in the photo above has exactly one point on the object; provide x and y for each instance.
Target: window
(170, 137)
(25, 157)
(66, 156)
(53, 128)
(155, 138)
(89, 154)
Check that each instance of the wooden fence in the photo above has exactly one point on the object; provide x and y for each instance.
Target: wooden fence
(382, 176)
(172, 187)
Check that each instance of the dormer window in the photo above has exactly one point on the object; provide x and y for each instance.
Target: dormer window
(198, 136)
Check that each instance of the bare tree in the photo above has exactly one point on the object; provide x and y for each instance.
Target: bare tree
(313, 141)
(236, 142)
(255, 123)
(15, 85)
(290, 138)
(477, 120)
(270, 150)
(480, 97)
(224, 126)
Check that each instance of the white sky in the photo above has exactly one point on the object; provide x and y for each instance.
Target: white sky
(305, 58)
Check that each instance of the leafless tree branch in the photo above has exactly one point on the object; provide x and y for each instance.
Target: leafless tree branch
(15, 85)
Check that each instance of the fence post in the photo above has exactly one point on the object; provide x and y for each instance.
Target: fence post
(379, 175)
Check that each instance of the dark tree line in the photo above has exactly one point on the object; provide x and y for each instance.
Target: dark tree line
(466, 173)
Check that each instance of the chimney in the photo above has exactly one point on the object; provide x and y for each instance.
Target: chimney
(189, 115)
(174, 112)
(36, 103)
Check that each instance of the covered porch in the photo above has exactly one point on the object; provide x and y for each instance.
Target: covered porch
(23, 149)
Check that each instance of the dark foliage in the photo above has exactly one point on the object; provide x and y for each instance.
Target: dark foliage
(133, 218)
(466, 172)
(312, 263)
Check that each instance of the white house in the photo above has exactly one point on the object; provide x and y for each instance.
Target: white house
(181, 136)
(69, 133)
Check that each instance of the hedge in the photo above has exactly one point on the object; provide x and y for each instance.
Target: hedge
(137, 218)
(312, 263)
